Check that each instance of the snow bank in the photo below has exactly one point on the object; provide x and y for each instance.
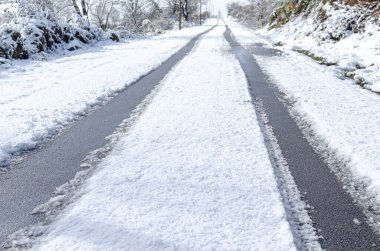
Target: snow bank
(192, 173)
(347, 37)
(38, 99)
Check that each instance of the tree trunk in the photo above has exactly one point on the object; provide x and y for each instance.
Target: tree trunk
(185, 10)
(84, 9)
(76, 7)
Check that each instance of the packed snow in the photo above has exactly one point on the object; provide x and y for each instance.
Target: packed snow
(192, 172)
(38, 99)
(341, 114)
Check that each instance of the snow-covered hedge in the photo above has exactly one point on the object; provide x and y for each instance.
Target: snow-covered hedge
(27, 37)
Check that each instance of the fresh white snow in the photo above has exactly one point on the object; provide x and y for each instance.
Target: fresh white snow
(342, 115)
(355, 53)
(37, 99)
(192, 173)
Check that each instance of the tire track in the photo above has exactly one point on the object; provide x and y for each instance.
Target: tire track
(32, 181)
(341, 223)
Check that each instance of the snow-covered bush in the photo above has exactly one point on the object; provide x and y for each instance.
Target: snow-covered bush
(30, 28)
(157, 25)
(25, 37)
(349, 15)
(338, 21)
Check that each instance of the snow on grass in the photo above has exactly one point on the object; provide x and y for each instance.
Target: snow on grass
(357, 54)
(192, 173)
(38, 99)
(347, 36)
(342, 115)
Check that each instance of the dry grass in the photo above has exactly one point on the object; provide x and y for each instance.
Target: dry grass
(355, 2)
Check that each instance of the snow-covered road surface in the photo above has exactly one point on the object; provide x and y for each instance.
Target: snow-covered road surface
(192, 172)
(343, 118)
(38, 99)
(333, 211)
(33, 180)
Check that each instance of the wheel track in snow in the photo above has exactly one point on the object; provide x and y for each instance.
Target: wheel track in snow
(340, 222)
(33, 181)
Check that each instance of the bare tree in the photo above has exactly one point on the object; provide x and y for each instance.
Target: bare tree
(135, 12)
(84, 8)
(106, 14)
(255, 13)
(102, 11)
(76, 7)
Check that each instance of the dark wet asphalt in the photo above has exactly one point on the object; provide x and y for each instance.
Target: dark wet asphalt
(334, 210)
(33, 181)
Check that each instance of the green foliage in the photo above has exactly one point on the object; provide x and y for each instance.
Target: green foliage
(312, 55)
(348, 74)
(317, 58)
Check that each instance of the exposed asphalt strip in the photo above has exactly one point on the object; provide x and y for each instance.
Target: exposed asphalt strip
(32, 182)
(334, 210)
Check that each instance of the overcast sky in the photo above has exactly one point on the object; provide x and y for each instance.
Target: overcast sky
(221, 4)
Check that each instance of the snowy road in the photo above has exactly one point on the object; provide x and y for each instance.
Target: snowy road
(322, 191)
(33, 180)
(192, 172)
(214, 158)
(39, 99)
